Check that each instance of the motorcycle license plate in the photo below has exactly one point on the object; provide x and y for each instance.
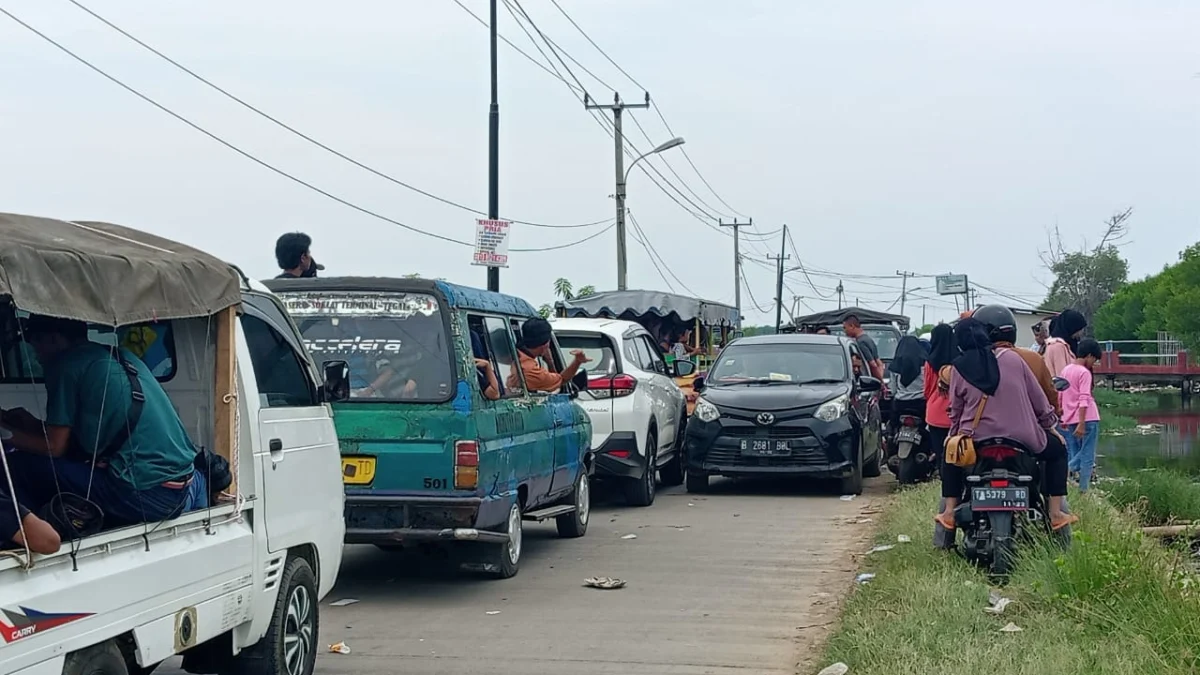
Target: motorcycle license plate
(909, 434)
(765, 448)
(999, 499)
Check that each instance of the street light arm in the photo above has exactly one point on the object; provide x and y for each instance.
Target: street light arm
(673, 143)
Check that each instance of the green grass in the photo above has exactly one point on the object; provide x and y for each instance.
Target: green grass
(1157, 496)
(1116, 398)
(1116, 423)
(1115, 603)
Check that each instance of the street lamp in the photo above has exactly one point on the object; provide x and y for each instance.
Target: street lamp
(673, 143)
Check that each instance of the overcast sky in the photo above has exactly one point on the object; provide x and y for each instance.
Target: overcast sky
(919, 135)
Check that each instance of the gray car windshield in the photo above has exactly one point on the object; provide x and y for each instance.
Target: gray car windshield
(779, 362)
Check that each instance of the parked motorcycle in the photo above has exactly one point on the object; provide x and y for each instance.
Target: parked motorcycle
(908, 455)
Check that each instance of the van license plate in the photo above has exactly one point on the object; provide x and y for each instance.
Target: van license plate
(358, 470)
(765, 448)
(999, 499)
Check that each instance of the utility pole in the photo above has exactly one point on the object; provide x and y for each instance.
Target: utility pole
(493, 273)
(779, 279)
(737, 265)
(923, 307)
(904, 287)
(840, 291)
(617, 107)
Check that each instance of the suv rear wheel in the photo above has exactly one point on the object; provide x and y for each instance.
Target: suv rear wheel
(640, 491)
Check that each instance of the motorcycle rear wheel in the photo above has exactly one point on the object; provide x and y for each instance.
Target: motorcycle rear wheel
(1003, 543)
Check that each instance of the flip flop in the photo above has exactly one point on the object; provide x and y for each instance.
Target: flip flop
(949, 525)
(1060, 524)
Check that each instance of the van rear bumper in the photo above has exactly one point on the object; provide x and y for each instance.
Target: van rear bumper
(395, 519)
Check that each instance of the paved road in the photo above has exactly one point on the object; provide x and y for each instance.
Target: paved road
(738, 581)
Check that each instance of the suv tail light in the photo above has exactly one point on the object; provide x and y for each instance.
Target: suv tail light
(998, 453)
(612, 387)
(466, 465)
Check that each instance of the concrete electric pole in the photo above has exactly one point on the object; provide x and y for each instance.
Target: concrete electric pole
(737, 266)
(904, 286)
(618, 107)
(779, 280)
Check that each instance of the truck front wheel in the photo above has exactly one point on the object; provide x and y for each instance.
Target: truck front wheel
(290, 645)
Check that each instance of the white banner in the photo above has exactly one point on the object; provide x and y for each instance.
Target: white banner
(491, 243)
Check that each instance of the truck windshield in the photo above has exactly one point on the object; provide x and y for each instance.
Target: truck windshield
(395, 343)
(886, 338)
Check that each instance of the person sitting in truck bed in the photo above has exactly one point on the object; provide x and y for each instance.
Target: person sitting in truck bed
(136, 465)
(19, 528)
(536, 343)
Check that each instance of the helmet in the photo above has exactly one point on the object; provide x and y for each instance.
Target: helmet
(1000, 322)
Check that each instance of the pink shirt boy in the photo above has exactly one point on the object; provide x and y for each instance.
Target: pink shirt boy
(1078, 398)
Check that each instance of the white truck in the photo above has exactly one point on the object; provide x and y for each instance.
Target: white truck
(235, 587)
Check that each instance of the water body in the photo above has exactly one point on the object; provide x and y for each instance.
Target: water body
(1175, 445)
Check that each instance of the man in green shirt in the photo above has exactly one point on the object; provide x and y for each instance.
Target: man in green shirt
(134, 460)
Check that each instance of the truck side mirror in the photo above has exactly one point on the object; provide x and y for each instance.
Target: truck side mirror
(337, 381)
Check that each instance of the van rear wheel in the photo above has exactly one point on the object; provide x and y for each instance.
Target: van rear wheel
(102, 659)
(575, 524)
(503, 561)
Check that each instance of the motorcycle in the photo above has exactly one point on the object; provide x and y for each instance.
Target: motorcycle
(908, 455)
(1003, 501)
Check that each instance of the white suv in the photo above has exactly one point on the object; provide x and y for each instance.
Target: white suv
(638, 412)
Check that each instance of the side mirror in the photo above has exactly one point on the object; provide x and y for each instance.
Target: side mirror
(684, 368)
(698, 383)
(580, 381)
(1061, 384)
(337, 381)
(868, 383)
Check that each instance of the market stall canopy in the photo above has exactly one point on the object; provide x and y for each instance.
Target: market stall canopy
(108, 274)
(836, 316)
(631, 304)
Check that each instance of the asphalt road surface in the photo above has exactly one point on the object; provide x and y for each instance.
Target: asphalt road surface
(742, 580)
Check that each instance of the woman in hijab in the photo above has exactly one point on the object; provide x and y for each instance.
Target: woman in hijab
(907, 380)
(942, 351)
(998, 388)
(1065, 331)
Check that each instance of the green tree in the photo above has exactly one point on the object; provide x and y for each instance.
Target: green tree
(545, 311)
(586, 291)
(563, 288)
(1168, 301)
(923, 329)
(1089, 277)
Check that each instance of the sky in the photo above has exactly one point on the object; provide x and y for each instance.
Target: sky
(924, 136)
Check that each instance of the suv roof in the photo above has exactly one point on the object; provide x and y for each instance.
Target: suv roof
(615, 328)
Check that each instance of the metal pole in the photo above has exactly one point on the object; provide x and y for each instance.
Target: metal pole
(619, 140)
(737, 265)
(779, 281)
(493, 273)
(903, 287)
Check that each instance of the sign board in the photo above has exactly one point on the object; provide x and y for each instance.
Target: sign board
(952, 284)
(491, 243)
(366, 304)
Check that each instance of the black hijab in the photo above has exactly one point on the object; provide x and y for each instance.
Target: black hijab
(909, 358)
(1066, 325)
(977, 364)
(942, 349)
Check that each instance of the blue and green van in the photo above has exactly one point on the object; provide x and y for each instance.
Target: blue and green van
(426, 457)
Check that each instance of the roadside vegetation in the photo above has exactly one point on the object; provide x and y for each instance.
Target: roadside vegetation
(1116, 424)
(1125, 400)
(1116, 602)
(1156, 496)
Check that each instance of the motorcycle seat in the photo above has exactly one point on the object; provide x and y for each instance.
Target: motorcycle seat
(1006, 442)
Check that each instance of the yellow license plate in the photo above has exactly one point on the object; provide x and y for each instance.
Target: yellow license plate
(358, 470)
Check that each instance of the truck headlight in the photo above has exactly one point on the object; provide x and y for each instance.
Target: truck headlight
(705, 411)
(833, 410)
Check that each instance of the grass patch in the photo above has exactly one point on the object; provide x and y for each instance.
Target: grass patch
(1128, 400)
(1116, 423)
(1158, 497)
(1115, 603)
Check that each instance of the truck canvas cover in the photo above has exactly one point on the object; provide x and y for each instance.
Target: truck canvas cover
(837, 316)
(108, 274)
(629, 305)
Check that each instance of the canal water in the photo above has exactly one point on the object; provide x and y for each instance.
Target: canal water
(1169, 438)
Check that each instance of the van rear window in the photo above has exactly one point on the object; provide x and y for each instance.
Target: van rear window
(395, 343)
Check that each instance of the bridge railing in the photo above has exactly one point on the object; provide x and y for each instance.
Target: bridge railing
(1158, 352)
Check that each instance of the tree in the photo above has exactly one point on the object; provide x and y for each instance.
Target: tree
(545, 311)
(1168, 301)
(923, 330)
(1087, 278)
(562, 288)
(586, 291)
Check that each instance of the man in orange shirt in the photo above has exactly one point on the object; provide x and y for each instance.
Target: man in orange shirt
(536, 342)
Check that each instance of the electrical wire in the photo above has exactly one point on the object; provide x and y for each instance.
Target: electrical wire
(750, 294)
(695, 168)
(670, 168)
(638, 238)
(654, 252)
(287, 127)
(253, 158)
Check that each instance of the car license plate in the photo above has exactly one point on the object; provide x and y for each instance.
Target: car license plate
(765, 448)
(909, 434)
(358, 470)
(999, 499)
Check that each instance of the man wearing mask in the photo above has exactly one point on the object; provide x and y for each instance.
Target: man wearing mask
(294, 257)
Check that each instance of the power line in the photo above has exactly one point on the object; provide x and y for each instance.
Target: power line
(654, 252)
(283, 125)
(638, 236)
(688, 157)
(670, 168)
(593, 43)
(247, 155)
(750, 293)
(520, 51)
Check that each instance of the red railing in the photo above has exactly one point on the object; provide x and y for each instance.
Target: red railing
(1110, 364)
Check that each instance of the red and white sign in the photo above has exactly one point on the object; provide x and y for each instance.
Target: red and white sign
(491, 243)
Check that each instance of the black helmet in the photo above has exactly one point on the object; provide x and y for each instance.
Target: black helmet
(1000, 322)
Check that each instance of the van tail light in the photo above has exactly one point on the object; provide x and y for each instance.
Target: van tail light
(998, 453)
(466, 465)
(612, 387)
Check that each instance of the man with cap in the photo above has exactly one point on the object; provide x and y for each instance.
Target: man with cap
(536, 343)
(294, 257)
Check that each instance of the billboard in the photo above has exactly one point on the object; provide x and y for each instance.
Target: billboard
(952, 284)
(491, 243)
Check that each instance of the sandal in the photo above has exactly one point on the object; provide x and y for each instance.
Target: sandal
(1067, 519)
(946, 520)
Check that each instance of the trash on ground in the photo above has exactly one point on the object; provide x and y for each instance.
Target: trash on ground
(847, 498)
(864, 577)
(838, 668)
(997, 606)
(680, 527)
(494, 612)
(1011, 628)
(343, 602)
(881, 548)
(630, 536)
(690, 504)
(903, 538)
(604, 583)
(339, 648)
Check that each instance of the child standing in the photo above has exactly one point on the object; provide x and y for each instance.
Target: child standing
(1081, 416)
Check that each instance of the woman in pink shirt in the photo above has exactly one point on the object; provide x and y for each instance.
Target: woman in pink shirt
(1081, 416)
(1060, 347)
